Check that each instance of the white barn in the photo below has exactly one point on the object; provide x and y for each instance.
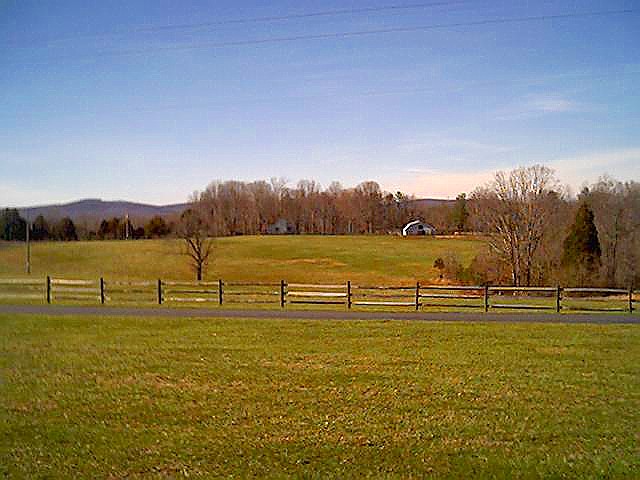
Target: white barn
(418, 228)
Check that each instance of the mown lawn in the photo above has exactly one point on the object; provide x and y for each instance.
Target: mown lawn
(128, 397)
(300, 258)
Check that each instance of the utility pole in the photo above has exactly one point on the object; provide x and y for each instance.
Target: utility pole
(126, 228)
(28, 265)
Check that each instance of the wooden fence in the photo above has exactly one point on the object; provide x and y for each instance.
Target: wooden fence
(348, 295)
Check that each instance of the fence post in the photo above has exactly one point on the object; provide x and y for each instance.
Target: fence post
(417, 296)
(48, 289)
(558, 299)
(159, 292)
(348, 293)
(631, 299)
(220, 291)
(283, 293)
(486, 298)
(101, 291)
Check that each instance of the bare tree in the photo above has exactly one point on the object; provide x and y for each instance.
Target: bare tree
(616, 206)
(515, 209)
(369, 198)
(199, 245)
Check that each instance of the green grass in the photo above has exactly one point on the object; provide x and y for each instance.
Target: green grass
(133, 397)
(368, 259)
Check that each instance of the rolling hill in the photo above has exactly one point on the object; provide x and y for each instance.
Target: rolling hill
(96, 209)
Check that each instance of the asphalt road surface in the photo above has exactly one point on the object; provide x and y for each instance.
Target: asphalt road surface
(59, 310)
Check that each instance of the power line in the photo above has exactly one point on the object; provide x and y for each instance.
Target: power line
(361, 33)
(266, 19)
(326, 13)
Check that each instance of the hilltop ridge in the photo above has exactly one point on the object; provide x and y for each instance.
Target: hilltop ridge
(96, 209)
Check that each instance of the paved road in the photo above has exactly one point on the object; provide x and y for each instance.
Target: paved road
(320, 315)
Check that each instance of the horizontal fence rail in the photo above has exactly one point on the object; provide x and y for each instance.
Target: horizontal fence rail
(384, 296)
(76, 290)
(527, 298)
(267, 293)
(189, 292)
(22, 289)
(348, 295)
(128, 291)
(454, 296)
(318, 294)
(593, 299)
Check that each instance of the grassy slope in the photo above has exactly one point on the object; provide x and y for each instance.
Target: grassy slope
(297, 258)
(137, 397)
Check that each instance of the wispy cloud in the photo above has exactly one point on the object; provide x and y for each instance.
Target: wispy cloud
(444, 165)
(550, 104)
(575, 171)
(424, 182)
(623, 164)
(451, 146)
(536, 105)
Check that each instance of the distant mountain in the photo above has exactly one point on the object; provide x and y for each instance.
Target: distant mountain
(96, 209)
(432, 202)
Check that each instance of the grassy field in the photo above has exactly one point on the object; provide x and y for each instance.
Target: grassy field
(364, 260)
(126, 397)
(377, 259)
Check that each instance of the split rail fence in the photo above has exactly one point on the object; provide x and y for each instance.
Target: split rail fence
(348, 295)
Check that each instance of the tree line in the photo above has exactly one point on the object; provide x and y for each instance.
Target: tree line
(249, 208)
(123, 228)
(13, 227)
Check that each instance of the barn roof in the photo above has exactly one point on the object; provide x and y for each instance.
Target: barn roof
(415, 222)
(410, 224)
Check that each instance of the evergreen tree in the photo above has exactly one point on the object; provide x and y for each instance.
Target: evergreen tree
(460, 213)
(156, 227)
(581, 248)
(40, 230)
(67, 230)
(114, 228)
(103, 231)
(12, 225)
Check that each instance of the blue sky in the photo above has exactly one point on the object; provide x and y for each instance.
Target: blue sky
(100, 100)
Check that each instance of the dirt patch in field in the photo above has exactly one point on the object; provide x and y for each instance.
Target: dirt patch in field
(326, 262)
